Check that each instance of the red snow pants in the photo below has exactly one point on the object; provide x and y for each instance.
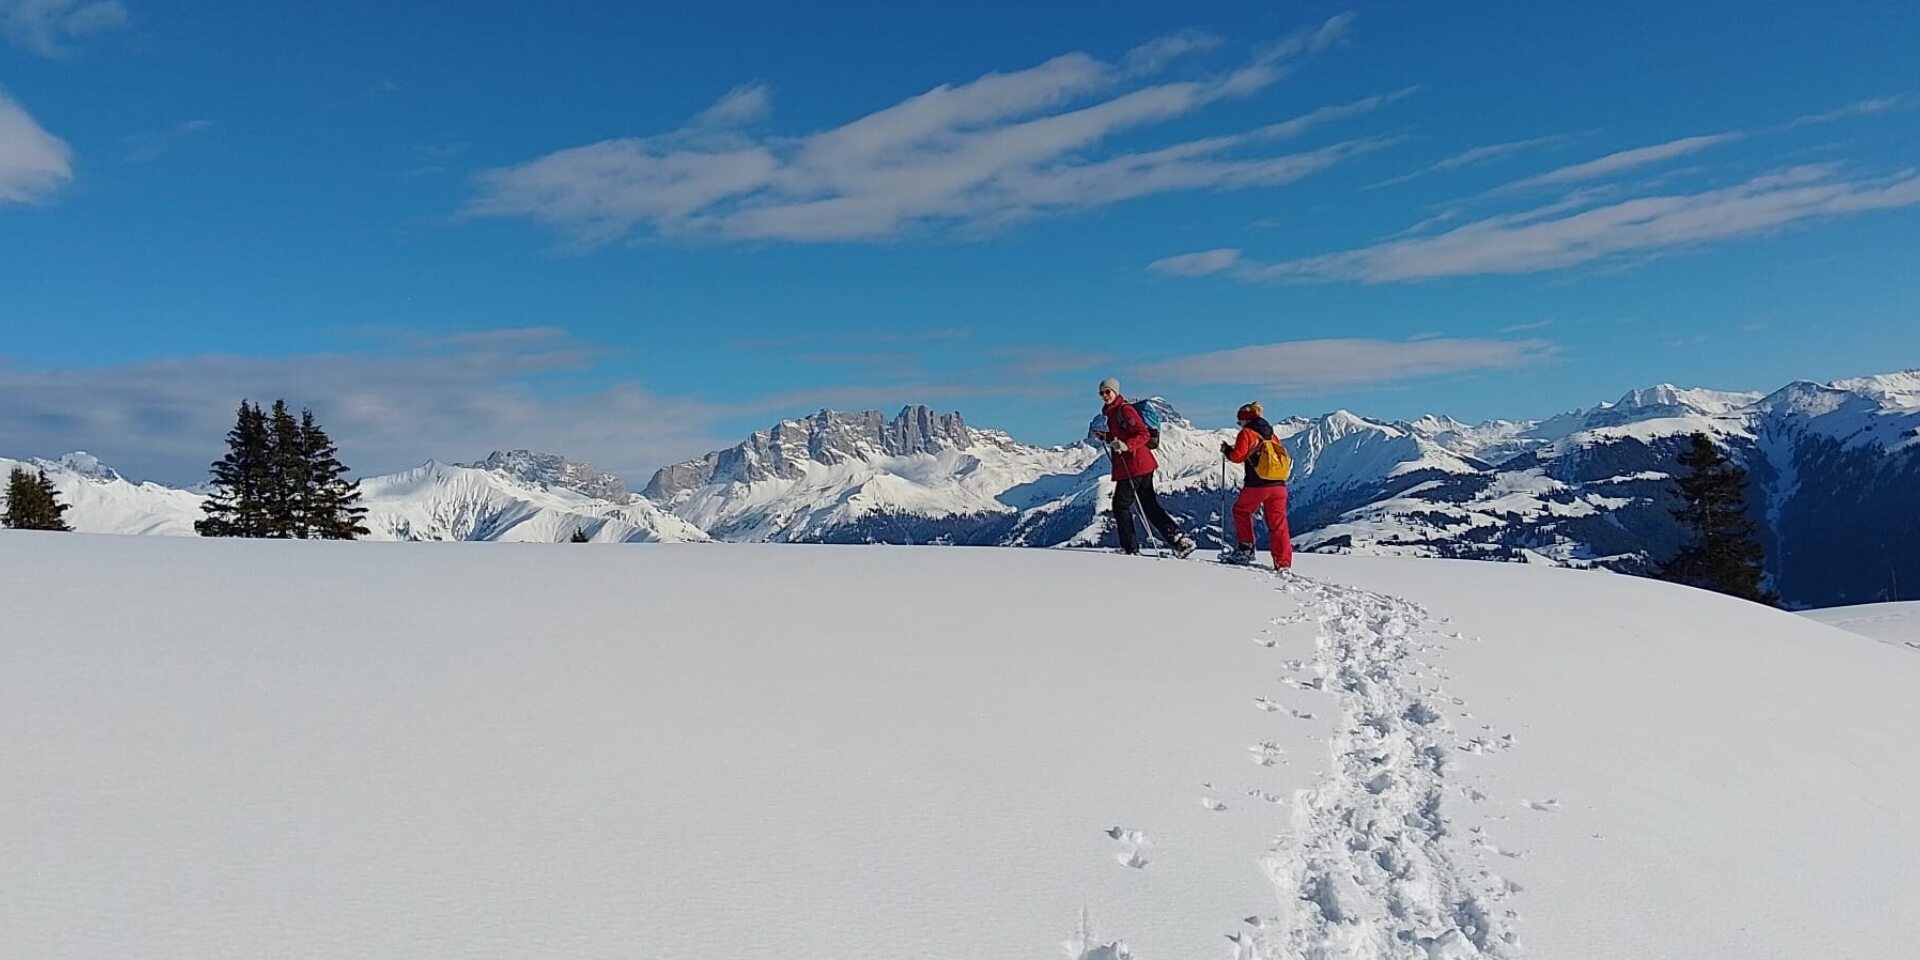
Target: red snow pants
(1273, 500)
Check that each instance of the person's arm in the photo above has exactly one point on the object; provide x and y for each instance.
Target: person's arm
(1243, 445)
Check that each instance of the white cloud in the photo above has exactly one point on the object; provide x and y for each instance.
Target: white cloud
(43, 26)
(1474, 156)
(1523, 327)
(1627, 160)
(1494, 151)
(1197, 264)
(1154, 55)
(998, 148)
(743, 104)
(448, 397)
(150, 146)
(1305, 366)
(1872, 106)
(33, 162)
(1562, 236)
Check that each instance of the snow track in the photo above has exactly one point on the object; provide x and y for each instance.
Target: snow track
(1372, 868)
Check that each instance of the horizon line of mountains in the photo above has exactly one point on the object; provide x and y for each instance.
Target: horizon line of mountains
(1833, 482)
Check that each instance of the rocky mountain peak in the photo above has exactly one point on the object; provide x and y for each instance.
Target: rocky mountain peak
(828, 437)
(87, 465)
(546, 471)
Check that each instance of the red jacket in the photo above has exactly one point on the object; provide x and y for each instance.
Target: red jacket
(1125, 425)
(1252, 432)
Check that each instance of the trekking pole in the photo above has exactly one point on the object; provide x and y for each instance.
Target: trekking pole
(1140, 510)
(1226, 505)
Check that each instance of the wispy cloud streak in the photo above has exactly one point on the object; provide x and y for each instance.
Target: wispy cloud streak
(1306, 366)
(45, 26)
(1562, 236)
(999, 148)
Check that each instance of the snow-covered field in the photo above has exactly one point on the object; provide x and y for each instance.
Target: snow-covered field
(227, 749)
(1896, 623)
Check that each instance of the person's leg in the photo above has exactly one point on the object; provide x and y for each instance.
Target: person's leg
(1157, 514)
(1243, 508)
(1123, 516)
(1279, 536)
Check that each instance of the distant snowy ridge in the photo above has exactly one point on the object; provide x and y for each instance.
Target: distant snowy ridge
(102, 501)
(507, 496)
(437, 501)
(863, 476)
(545, 471)
(1585, 488)
(1834, 471)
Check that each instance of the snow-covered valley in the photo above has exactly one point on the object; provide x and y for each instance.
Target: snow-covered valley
(246, 748)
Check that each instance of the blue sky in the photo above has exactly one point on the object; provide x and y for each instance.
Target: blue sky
(630, 233)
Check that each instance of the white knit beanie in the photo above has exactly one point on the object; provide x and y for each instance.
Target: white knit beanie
(1110, 384)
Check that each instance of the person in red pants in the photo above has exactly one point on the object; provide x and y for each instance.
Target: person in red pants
(1263, 492)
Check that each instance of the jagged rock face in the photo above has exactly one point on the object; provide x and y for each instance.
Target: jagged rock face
(545, 471)
(828, 437)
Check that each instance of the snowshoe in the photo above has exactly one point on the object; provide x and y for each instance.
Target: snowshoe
(1238, 556)
(1183, 547)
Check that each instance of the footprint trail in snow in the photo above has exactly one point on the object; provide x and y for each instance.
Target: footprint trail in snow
(1371, 868)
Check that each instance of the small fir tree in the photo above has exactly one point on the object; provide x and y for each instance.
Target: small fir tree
(33, 503)
(332, 510)
(237, 506)
(287, 497)
(1723, 551)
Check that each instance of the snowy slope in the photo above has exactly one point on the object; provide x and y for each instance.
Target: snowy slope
(102, 501)
(436, 501)
(883, 752)
(1895, 623)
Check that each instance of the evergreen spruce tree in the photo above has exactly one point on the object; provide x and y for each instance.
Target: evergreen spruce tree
(579, 536)
(21, 493)
(1723, 551)
(238, 504)
(287, 498)
(332, 509)
(281, 478)
(33, 503)
(50, 506)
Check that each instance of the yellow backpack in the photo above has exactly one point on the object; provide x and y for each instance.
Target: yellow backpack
(1271, 460)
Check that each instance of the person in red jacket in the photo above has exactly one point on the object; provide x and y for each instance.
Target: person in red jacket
(1259, 493)
(1126, 436)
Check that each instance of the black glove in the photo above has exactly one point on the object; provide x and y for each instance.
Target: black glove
(1226, 449)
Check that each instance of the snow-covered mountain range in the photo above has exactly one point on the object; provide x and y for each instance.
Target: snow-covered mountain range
(1834, 470)
(515, 495)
